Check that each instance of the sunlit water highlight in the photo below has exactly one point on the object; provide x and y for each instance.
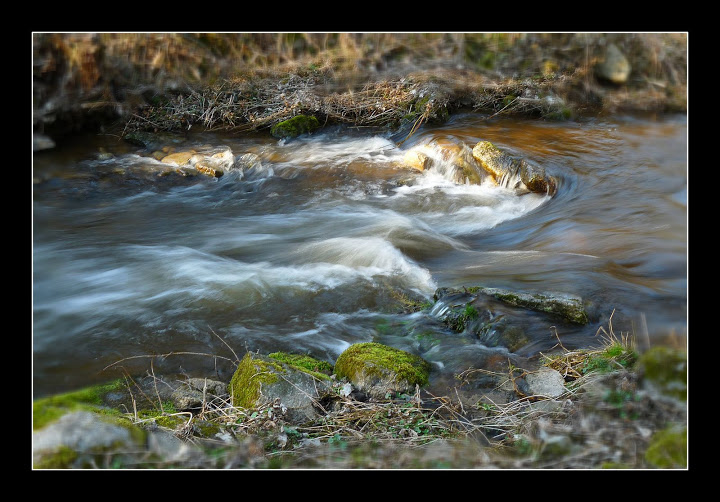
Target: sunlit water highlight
(308, 251)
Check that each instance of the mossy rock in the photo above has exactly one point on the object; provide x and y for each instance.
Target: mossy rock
(668, 449)
(82, 438)
(379, 370)
(665, 369)
(294, 127)
(260, 380)
(49, 409)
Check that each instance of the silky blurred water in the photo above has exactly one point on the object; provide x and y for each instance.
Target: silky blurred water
(308, 251)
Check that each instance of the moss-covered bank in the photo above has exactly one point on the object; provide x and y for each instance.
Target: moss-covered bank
(613, 414)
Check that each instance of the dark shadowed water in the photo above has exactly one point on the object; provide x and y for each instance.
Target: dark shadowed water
(309, 251)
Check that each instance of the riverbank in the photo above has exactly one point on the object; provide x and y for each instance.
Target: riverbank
(119, 83)
(619, 409)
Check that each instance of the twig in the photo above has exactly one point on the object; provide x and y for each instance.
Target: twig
(165, 355)
(226, 344)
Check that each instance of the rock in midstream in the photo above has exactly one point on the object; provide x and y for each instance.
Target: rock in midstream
(467, 310)
(211, 162)
(568, 307)
(508, 170)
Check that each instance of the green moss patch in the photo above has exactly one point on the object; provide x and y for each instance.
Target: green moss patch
(303, 362)
(668, 449)
(666, 369)
(248, 378)
(291, 128)
(62, 458)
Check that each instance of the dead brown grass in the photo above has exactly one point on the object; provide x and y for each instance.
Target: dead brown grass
(248, 81)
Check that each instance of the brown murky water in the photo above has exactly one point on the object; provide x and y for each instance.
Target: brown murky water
(302, 253)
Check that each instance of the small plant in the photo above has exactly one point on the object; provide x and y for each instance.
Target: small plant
(486, 406)
(461, 322)
(615, 354)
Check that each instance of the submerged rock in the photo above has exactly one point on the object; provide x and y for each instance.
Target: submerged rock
(152, 140)
(464, 312)
(507, 170)
(379, 370)
(249, 161)
(568, 307)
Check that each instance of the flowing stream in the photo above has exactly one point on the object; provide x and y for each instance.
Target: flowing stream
(310, 250)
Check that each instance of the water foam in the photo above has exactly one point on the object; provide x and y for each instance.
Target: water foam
(368, 257)
(321, 150)
(461, 209)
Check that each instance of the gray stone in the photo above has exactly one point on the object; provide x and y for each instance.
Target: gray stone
(196, 391)
(167, 446)
(81, 431)
(545, 382)
(614, 67)
(42, 142)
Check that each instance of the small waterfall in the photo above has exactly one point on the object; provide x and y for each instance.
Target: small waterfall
(453, 161)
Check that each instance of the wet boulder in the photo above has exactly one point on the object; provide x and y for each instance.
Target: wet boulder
(379, 370)
(503, 318)
(454, 160)
(519, 174)
(416, 160)
(211, 162)
(178, 158)
(464, 312)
